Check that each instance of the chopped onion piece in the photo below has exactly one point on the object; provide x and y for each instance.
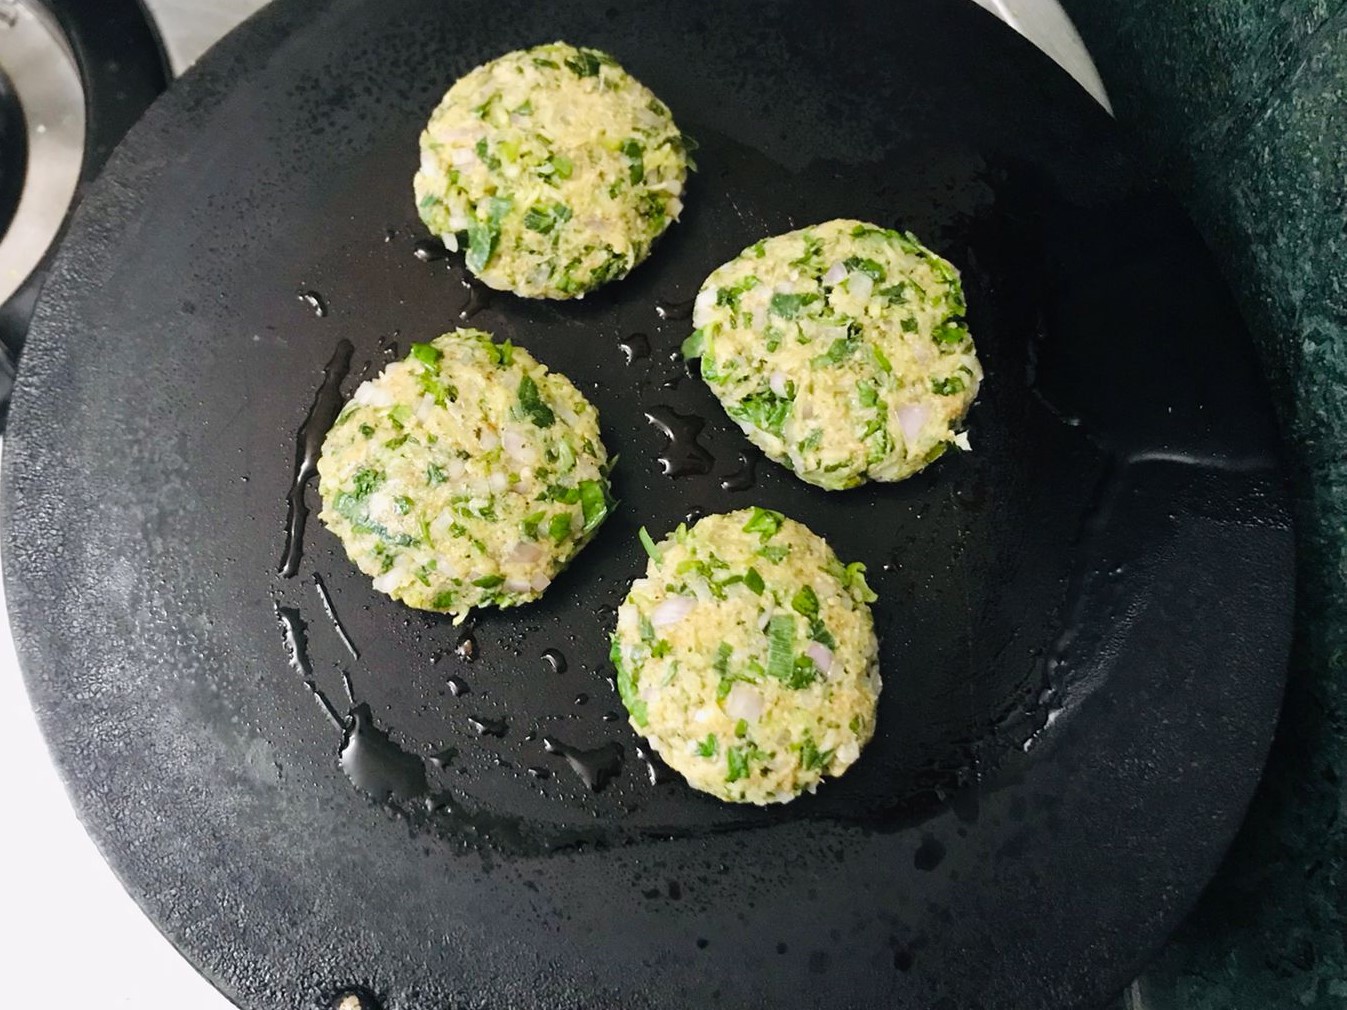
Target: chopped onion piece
(961, 440)
(461, 156)
(488, 439)
(777, 383)
(821, 655)
(911, 418)
(744, 702)
(517, 585)
(835, 274)
(515, 444)
(540, 582)
(860, 285)
(524, 553)
(671, 611)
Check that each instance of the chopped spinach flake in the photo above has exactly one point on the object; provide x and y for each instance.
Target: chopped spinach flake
(364, 482)
(585, 63)
(434, 475)
(866, 266)
(694, 344)
(443, 600)
(788, 306)
(805, 602)
(764, 522)
(950, 333)
(594, 504)
(542, 218)
(753, 580)
(559, 528)
(532, 404)
(947, 386)
(402, 504)
(427, 354)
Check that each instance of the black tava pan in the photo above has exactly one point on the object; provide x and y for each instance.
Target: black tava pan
(1084, 620)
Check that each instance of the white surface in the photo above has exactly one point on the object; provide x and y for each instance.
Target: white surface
(70, 936)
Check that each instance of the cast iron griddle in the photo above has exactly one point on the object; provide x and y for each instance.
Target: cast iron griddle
(1084, 621)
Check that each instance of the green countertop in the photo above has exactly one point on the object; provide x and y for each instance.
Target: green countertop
(1241, 106)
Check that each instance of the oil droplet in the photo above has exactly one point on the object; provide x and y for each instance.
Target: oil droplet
(296, 634)
(327, 403)
(458, 687)
(635, 347)
(582, 698)
(674, 310)
(340, 628)
(684, 456)
(656, 770)
(554, 659)
(314, 301)
(540, 773)
(929, 854)
(488, 726)
(429, 250)
(609, 716)
(375, 764)
(444, 758)
(479, 298)
(694, 515)
(595, 766)
(746, 476)
(466, 649)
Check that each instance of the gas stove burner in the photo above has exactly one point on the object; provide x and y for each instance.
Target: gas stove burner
(74, 76)
(43, 115)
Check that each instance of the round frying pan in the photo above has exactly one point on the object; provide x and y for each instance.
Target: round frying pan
(1084, 620)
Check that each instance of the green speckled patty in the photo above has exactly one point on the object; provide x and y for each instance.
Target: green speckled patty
(556, 167)
(466, 475)
(839, 350)
(747, 656)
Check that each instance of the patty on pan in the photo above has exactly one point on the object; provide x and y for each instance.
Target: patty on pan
(840, 350)
(747, 656)
(554, 167)
(465, 475)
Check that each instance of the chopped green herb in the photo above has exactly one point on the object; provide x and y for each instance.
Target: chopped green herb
(532, 404)
(895, 293)
(708, 747)
(753, 580)
(776, 555)
(594, 504)
(584, 63)
(559, 528)
(489, 581)
(947, 386)
(805, 602)
(736, 763)
(803, 672)
(950, 333)
(543, 219)
(853, 577)
(366, 430)
(364, 482)
(693, 345)
(443, 600)
(866, 266)
(764, 522)
(741, 728)
(788, 306)
(434, 475)
(561, 166)
(780, 645)
(649, 546)
(402, 504)
(910, 324)
(427, 354)
(531, 522)
(763, 409)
